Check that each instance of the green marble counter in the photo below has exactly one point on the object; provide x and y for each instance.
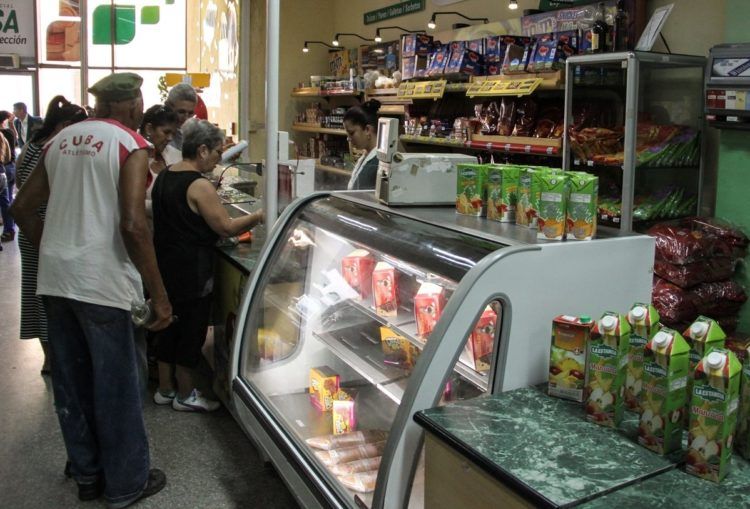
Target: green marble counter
(543, 447)
(243, 255)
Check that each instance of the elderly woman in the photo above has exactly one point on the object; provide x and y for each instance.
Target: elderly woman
(188, 220)
(158, 126)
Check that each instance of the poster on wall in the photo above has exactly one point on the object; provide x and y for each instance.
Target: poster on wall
(17, 28)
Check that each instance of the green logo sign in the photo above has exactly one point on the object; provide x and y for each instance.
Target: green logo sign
(637, 340)
(709, 393)
(655, 370)
(394, 11)
(604, 351)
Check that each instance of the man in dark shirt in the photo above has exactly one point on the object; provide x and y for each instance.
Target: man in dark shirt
(6, 196)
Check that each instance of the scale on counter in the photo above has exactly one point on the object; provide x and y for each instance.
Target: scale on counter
(413, 179)
(727, 86)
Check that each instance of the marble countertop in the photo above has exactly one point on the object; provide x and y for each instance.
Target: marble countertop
(245, 255)
(543, 446)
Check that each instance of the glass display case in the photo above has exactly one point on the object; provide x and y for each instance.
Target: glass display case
(358, 315)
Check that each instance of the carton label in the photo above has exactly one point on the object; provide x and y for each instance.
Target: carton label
(655, 370)
(605, 376)
(604, 351)
(708, 393)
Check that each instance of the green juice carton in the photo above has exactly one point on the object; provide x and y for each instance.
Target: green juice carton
(553, 202)
(567, 364)
(502, 192)
(606, 366)
(644, 322)
(527, 209)
(713, 414)
(583, 199)
(472, 189)
(702, 335)
(665, 373)
(742, 437)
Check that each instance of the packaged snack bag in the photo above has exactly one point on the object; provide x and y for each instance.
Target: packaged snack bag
(357, 269)
(567, 365)
(354, 467)
(644, 322)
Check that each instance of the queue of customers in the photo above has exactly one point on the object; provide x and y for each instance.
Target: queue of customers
(111, 212)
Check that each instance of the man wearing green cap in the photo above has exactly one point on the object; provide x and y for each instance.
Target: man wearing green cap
(93, 244)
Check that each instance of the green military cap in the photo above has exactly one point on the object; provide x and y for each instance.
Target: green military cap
(117, 87)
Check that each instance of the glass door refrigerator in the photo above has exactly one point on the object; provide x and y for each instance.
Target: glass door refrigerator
(358, 315)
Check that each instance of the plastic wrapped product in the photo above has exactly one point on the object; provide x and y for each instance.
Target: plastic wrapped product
(673, 303)
(691, 274)
(681, 245)
(354, 467)
(526, 114)
(347, 454)
(507, 119)
(328, 442)
(730, 234)
(490, 118)
(723, 298)
(363, 482)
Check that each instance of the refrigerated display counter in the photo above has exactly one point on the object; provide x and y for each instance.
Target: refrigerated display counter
(358, 315)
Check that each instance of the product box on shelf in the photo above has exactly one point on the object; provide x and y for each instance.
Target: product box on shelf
(553, 198)
(477, 46)
(357, 268)
(415, 44)
(478, 351)
(665, 372)
(385, 289)
(529, 186)
(713, 414)
(517, 58)
(428, 306)
(644, 322)
(397, 350)
(439, 61)
(606, 364)
(567, 364)
(464, 62)
(343, 414)
(324, 384)
(457, 46)
(551, 52)
(502, 192)
(582, 206)
(472, 188)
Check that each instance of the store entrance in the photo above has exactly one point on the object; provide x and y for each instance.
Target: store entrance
(18, 87)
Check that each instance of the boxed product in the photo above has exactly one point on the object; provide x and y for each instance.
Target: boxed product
(529, 186)
(553, 197)
(607, 358)
(477, 46)
(551, 52)
(385, 289)
(703, 335)
(644, 322)
(478, 351)
(397, 350)
(457, 46)
(665, 372)
(742, 437)
(471, 187)
(464, 62)
(408, 67)
(324, 384)
(357, 268)
(713, 415)
(439, 61)
(567, 365)
(343, 416)
(415, 44)
(516, 58)
(502, 192)
(428, 306)
(582, 206)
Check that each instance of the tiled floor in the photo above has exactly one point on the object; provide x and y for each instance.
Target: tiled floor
(208, 460)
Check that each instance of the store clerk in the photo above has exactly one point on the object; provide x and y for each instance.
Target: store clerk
(361, 124)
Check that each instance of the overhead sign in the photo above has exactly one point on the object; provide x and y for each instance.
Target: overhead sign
(17, 28)
(394, 11)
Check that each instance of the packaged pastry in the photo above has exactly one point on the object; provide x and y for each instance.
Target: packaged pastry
(526, 114)
(478, 351)
(345, 455)
(385, 289)
(363, 482)
(357, 269)
(324, 383)
(354, 467)
(507, 119)
(328, 442)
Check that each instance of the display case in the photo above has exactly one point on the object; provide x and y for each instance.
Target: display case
(636, 120)
(359, 315)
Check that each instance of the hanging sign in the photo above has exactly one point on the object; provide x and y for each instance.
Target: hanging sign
(17, 28)
(394, 11)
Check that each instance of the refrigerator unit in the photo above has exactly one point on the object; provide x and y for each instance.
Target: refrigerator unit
(383, 312)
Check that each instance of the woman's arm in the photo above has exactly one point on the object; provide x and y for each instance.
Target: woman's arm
(203, 198)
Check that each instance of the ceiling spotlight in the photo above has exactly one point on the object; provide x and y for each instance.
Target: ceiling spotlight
(335, 42)
(305, 49)
(431, 25)
(513, 5)
(378, 38)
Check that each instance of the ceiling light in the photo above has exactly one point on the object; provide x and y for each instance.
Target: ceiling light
(431, 25)
(305, 49)
(335, 42)
(377, 36)
(513, 5)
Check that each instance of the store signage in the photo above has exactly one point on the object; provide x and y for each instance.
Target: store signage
(17, 28)
(422, 90)
(564, 19)
(393, 11)
(493, 88)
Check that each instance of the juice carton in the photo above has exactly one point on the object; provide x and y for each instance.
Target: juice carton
(397, 350)
(665, 372)
(644, 321)
(582, 206)
(385, 289)
(742, 440)
(324, 384)
(567, 363)
(478, 351)
(528, 197)
(713, 414)
(472, 189)
(357, 269)
(703, 335)
(553, 197)
(502, 192)
(428, 306)
(606, 366)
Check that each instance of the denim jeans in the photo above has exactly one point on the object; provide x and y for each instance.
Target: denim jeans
(6, 198)
(97, 395)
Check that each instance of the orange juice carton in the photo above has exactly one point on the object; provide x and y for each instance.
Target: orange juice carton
(606, 367)
(644, 322)
(713, 414)
(702, 336)
(385, 289)
(580, 223)
(357, 269)
(553, 202)
(471, 189)
(428, 306)
(343, 415)
(502, 192)
(324, 384)
(478, 351)
(665, 372)
(567, 363)
(397, 350)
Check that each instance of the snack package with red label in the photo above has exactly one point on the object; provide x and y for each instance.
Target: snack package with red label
(428, 306)
(478, 351)
(457, 46)
(324, 384)
(385, 289)
(357, 268)
(397, 350)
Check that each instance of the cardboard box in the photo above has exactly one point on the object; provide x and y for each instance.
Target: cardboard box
(567, 365)
(357, 268)
(464, 62)
(324, 384)
(397, 350)
(385, 289)
(439, 61)
(553, 198)
(429, 303)
(415, 44)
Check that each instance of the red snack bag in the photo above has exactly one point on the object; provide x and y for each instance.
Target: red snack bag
(673, 303)
(691, 274)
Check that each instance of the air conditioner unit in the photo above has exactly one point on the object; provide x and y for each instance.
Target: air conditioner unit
(10, 61)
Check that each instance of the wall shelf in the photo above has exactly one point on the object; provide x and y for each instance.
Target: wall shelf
(507, 144)
(310, 128)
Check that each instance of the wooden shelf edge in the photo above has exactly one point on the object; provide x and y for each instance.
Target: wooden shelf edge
(320, 130)
(332, 169)
(514, 145)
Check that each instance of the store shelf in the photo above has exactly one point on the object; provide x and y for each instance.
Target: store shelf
(593, 164)
(310, 128)
(508, 144)
(317, 92)
(332, 169)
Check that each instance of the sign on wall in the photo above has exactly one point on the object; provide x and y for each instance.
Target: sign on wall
(17, 28)
(393, 11)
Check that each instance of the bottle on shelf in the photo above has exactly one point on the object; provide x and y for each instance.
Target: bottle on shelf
(620, 38)
(599, 31)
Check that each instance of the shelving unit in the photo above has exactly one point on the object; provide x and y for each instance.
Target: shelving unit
(305, 128)
(508, 144)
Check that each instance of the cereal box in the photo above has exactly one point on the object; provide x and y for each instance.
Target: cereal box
(324, 383)
(553, 197)
(385, 289)
(472, 189)
(567, 364)
(357, 268)
(428, 306)
(502, 192)
(644, 322)
(397, 350)
(478, 351)
(580, 223)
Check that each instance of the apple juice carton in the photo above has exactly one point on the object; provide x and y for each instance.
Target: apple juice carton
(502, 192)
(478, 351)
(567, 364)
(644, 321)
(606, 366)
(357, 269)
(665, 373)
(472, 189)
(527, 208)
(385, 289)
(702, 335)
(553, 198)
(324, 384)
(742, 437)
(428, 306)
(580, 223)
(713, 414)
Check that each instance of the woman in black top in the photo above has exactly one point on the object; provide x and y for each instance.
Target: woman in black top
(188, 220)
(361, 125)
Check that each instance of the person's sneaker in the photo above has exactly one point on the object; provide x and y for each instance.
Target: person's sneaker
(164, 399)
(90, 491)
(156, 482)
(195, 402)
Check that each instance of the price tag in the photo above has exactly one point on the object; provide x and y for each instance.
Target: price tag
(494, 88)
(422, 89)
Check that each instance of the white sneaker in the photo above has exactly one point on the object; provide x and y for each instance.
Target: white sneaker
(196, 402)
(164, 399)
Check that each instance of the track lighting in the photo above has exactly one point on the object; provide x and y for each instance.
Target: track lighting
(335, 41)
(305, 49)
(432, 24)
(378, 38)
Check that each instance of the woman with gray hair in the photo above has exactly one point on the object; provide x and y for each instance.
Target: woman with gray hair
(181, 99)
(188, 220)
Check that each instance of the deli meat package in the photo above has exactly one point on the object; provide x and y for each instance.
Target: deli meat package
(345, 455)
(363, 482)
(328, 442)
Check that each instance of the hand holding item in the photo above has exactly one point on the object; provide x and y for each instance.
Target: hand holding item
(162, 314)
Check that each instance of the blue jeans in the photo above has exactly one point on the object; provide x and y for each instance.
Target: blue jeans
(97, 395)
(6, 198)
